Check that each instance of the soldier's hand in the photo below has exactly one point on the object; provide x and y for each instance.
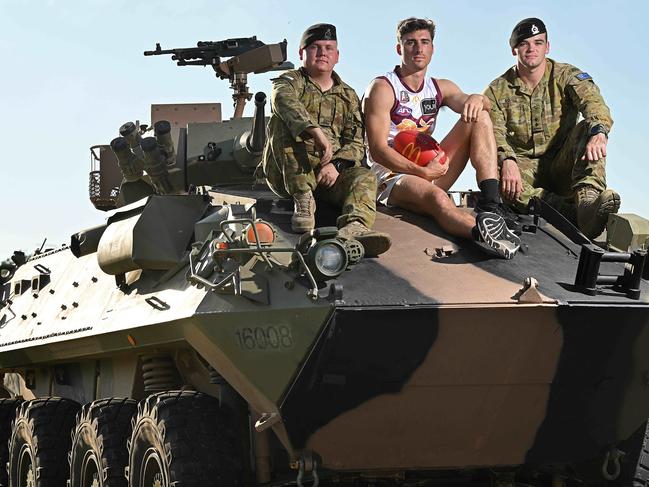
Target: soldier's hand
(473, 105)
(511, 184)
(595, 148)
(435, 169)
(322, 144)
(327, 176)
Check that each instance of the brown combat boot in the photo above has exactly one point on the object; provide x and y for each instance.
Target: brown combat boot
(303, 219)
(562, 204)
(374, 243)
(593, 208)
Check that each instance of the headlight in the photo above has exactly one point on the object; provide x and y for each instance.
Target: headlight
(326, 259)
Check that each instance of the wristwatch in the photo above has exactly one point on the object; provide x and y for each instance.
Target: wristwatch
(598, 129)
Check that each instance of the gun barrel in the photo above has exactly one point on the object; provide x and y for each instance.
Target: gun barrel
(257, 138)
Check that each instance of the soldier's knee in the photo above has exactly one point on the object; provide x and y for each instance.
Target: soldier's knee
(361, 176)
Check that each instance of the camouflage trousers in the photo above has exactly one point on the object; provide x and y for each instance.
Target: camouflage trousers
(556, 175)
(354, 191)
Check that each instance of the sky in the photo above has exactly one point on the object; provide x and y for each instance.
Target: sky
(71, 72)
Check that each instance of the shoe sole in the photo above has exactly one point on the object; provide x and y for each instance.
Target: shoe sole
(486, 223)
(302, 228)
(610, 204)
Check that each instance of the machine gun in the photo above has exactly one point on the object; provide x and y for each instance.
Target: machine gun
(247, 55)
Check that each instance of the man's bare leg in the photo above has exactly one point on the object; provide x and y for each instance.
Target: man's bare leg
(473, 141)
(419, 196)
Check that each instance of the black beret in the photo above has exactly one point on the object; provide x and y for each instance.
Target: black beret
(318, 32)
(526, 28)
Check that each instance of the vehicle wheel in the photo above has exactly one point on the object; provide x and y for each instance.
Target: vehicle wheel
(40, 441)
(98, 454)
(7, 415)
(183, 438)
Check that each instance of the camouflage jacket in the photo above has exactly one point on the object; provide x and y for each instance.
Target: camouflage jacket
(297, 103)
(533, 123)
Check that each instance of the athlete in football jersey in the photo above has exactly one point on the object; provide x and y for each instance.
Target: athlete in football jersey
(407, 98)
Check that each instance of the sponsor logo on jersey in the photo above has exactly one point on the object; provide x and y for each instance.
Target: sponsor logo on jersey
(428, 106)
(403, 111)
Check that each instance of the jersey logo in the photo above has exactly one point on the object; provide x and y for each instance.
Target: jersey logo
(428, 106)
(403, 97)
(411, 152)
(583, 76)
(403, 111)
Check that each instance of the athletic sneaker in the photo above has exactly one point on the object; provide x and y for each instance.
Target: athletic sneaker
(511, 218)
(495, 237)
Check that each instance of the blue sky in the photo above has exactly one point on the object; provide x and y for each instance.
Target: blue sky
(73, 72)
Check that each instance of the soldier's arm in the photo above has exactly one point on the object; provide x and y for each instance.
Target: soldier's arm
(352, 147)
(499, 122)
(468, 106)
(586, 96)
(286, 105)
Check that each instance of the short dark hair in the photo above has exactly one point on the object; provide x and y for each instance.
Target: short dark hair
(411, 24)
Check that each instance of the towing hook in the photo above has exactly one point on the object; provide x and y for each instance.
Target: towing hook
(612, 458)
(302, 469)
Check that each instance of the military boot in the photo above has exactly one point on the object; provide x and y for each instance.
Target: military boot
(563, 205)
(303, 219)
(593, 208)
(373, 242)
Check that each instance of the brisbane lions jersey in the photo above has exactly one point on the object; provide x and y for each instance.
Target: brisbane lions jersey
(413, 109)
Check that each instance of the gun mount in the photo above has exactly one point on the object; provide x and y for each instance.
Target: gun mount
(247, 55)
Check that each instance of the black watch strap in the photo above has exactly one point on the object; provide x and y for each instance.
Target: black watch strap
(598, 129)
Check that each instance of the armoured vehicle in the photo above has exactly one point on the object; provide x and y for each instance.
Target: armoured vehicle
(192, 340)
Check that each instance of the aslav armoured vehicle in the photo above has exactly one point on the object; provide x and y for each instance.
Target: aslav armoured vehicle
(192, 340)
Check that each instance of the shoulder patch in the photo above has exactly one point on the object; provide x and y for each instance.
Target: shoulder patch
(583, 76)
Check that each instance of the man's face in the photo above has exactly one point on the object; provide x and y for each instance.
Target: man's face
(531, 51)
(320, 56)
(416, 49)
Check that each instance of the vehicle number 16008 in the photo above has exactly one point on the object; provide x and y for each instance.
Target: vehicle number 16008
(264, 337)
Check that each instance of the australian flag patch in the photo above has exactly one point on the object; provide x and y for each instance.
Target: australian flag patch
(583, 76)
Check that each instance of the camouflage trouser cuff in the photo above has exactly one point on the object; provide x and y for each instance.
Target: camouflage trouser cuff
(343, 220)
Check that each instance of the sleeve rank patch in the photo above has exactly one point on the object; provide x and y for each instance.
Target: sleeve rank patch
(583, 76)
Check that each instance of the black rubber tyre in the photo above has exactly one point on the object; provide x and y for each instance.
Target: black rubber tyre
(7, 415)
(184, 439)
(98, 455)
(40, 441)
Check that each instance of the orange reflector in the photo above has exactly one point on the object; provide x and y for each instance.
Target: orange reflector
(265, 232)
(221, 245)
(131, 340)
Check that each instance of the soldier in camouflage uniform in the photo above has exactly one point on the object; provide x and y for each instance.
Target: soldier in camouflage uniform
(542, 151)
(315, 143)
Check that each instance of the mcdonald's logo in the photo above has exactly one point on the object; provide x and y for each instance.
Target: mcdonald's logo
(411, 152)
